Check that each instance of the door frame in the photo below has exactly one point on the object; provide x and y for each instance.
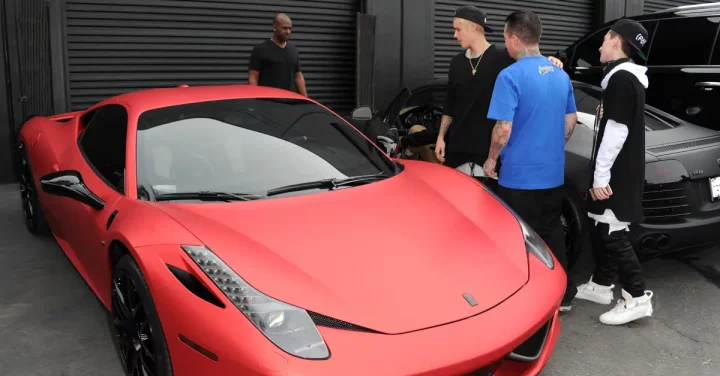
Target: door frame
(8, 171)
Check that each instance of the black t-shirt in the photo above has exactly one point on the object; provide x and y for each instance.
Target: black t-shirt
(468, 100)
(277, 65)
(624, 102)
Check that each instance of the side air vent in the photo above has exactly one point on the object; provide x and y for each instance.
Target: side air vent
(685, 145)
(330, 322)
(665, 203)
(530, 350)
(196, 287)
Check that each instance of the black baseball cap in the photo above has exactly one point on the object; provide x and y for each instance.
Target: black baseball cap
(473, 14)
(633, 33)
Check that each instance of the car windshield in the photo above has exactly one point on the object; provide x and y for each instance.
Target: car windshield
(248, 146)
(587, 99)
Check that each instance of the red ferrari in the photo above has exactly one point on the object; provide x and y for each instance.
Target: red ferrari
(240, 230)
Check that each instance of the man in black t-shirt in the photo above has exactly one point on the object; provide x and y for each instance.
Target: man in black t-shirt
(618, 177)
(276, 62)
(471, 79)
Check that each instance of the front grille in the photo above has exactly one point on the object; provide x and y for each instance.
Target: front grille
(530, 350)
(329, 322)
(665, 203)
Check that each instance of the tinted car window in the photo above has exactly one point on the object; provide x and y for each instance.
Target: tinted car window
(249, 146)
(433, 96)
(587, 53)
(716, 55)
(587, 100)
(103, 143)
(683, 41)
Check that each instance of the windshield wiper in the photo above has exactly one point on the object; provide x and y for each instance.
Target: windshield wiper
(207, 196)
(327, 184)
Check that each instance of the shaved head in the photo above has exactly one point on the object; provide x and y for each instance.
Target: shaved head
(281, 17)
(282, 27)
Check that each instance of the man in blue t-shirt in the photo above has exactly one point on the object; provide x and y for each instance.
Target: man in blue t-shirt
(534, 107)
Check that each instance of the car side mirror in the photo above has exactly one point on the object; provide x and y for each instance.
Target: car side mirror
(69, 183)
(362, 113)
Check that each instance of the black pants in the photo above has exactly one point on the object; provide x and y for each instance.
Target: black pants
(615, 257)
(541, 209)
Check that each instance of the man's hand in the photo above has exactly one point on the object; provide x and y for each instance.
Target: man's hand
(489, 168)
(599, 194)
(440, 150)
(555, 61)
(600, 108)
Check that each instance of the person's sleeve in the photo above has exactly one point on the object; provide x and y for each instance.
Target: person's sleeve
(619, 109)
(613, 141)
(255, 59)
(504, 98)
(619, 99)
(297, 64)
(450, 95)
(571, 105)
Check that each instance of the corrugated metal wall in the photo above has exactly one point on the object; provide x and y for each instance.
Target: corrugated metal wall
(564, 21)
(115, 46)
(33, 58)
(652, 6)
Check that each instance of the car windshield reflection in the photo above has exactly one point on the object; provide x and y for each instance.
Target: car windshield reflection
(249, 146)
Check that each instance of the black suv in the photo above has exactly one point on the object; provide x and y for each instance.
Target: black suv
(683, 63)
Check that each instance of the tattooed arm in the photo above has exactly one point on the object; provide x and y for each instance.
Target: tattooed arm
(444, 126)
(570, 121)
(440, 143)
(500, 136)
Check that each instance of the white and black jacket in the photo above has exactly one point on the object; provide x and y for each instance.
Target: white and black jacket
(619, 148)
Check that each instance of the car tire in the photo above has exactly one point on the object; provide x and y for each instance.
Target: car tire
(574, 225)
(143, 330)
(32, 211)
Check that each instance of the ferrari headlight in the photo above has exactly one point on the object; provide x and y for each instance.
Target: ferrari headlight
(533, 243)
(287, 326)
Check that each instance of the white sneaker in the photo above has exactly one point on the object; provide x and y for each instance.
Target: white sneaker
(629, 309)
(595, 293)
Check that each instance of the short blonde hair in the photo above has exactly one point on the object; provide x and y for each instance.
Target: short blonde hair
(471, 26)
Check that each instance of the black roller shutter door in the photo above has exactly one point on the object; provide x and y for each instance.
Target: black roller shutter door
(116, 46)
(564, 21)
(652, 6)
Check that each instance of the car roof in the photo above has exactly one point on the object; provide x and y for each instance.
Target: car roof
(697, 10)
(443, 81)
(149, 99)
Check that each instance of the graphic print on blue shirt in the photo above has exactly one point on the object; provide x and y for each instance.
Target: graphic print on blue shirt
(535, 96)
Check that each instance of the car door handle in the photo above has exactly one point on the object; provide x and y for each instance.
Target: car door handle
(707, 85)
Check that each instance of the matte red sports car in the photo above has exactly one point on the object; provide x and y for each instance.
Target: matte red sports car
(240, 230)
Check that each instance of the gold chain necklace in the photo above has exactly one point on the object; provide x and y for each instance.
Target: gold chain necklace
(474, 69)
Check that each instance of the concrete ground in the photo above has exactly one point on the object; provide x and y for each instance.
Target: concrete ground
(51, 323)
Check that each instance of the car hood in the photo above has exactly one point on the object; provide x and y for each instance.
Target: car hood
(393, 256)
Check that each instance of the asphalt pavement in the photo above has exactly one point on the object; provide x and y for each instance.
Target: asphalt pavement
(52, 324)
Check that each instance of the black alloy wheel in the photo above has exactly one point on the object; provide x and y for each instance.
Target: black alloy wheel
(34, 219)
(139, 339)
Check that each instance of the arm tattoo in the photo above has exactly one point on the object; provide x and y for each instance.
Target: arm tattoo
(444, 126)
(500, 137)
(569, 129)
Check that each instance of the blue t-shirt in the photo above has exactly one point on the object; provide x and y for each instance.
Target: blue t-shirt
(535, 96)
